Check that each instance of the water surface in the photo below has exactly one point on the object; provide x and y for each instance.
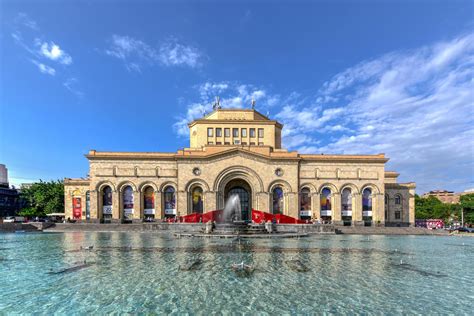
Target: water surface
(157, 273)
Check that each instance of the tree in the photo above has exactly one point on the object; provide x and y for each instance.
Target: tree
(432, 207)
(42, 198)
(467, 204)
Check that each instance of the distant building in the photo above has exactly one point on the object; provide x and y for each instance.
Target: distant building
(239, 152)
(9, 197)
(447, 196)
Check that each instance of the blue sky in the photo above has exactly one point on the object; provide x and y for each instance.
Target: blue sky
(343, 76)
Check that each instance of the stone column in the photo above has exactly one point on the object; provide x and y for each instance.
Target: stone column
(357, 210)
(411, 207)
(116, 205)
(159, 212)
(210, 199)
(263, 202)
(137, 205)
(291, 208)
(336, 209)
(379, 218)
(181, 203)
(94, 205)
(315, 206)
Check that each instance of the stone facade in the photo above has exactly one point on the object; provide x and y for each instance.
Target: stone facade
(343, 189)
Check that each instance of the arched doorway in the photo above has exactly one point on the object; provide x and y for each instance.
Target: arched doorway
(243, 190)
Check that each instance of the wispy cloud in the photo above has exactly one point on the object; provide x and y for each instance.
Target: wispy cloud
(72, 84)
(48, 56)
(44, 68)
(135, 53)
(415, 106)
(54, 52)
(232, 95)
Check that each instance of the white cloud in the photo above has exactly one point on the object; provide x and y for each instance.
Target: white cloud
(55, 53)
(72, 84)
(232, 95)
(415, 106)
(135, 53)
(45, 69)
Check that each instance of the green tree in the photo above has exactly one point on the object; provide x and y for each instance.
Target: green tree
(42, 198)
(467, 204)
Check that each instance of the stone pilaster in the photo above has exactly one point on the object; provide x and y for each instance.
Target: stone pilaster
(159, 210)
(116, 205)
(137, 205)
(336, 209)
(357, 209)
(315, 205)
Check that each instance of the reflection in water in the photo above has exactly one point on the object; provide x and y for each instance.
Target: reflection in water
(143, 273)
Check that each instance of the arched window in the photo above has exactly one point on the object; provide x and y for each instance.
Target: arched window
(367, 200)
(277, 199)
(326, 199)
(305, 203)
(398, 199)
(107, 202)
(149, 203)
(88, 205)
(197, 200)
(170, 201)
(386, 199)
(346, 200)
(76, 204)
(127, 200)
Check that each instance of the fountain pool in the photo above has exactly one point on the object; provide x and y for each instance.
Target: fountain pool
(131, 272)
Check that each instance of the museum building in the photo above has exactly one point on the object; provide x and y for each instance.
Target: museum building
(239, 151)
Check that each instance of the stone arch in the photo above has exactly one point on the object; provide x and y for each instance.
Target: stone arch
(310, 186)
(280, 182)
(353, 187)
(125, 183)
(242, 172)
(375, 189)
(194, 182)
(142, 186)
(328, 185)
(102, 184)
(169, 183)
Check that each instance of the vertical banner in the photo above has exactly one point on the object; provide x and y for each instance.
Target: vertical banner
(149, 201)
(170, 201)
(107, 201)
(76, 208)
(128, 201)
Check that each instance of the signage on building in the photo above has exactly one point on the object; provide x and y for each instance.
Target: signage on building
(171, 211)
(149, 211)
(305, 213)
(326, 213)
(346, 213)
(367, 213)
(107, 209)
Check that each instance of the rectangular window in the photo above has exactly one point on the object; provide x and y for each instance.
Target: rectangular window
(235, 132)
(244, 143)
(252, 143)
(260, 144)
(226, 143)
(210, 143)
(260, 133)
(252, 132)
(218, 132)
(236, 142)
(397, 215)
(226, 132)
(210, 132)
(218, 143)
(244, 132)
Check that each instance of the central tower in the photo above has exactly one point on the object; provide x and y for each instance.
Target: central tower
(235, 127)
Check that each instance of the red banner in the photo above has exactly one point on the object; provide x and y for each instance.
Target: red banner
(76, 208)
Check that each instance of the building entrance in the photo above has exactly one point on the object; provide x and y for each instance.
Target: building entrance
(242, 189)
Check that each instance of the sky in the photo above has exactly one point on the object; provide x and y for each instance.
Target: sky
(344, 77)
